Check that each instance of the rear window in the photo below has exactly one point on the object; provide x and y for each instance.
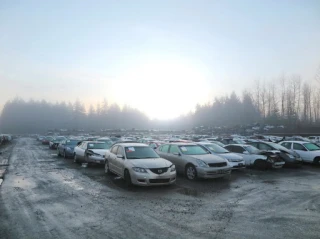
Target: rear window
(311, 147)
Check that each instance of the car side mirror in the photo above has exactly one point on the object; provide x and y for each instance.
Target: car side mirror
(178, 154)
(120, 156)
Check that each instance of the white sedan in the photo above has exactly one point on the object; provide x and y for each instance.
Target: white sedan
(309, 152)
(253, 156)
(139, 164)
(90, 152)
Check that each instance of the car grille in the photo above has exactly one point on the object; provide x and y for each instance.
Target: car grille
(158, 170)
(217, 165)
(165, 180)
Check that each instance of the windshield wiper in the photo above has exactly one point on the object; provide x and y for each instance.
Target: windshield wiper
(134, 158)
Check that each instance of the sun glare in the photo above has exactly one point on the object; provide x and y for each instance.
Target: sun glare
(163, 89)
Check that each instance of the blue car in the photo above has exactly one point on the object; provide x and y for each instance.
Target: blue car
(66, 147)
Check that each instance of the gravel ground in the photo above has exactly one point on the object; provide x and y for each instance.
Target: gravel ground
(44, 196)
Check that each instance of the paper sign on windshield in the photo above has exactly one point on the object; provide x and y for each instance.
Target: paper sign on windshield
(130, 149)
(91, 145)
(184, 149)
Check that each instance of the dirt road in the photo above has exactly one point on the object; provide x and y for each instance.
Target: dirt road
(44, 196)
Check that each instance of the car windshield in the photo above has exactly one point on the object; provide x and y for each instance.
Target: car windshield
(278, 146)
(140, 152)
(72, 142)
(216, 148)
(192, 150)
(311, 147)
(251, 149)
(107, 141)
(98, 146)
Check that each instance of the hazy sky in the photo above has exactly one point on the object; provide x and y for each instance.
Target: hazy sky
(162, 57)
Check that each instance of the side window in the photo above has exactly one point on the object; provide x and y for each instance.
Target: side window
(114, 149)
(120, 151)
(174, 149)
(230, 148)
(84, 145)
(264, 147)
(297, 146)
(286, 145)
(255, 144)
(164, 148)
(153, 145)
(238, 149)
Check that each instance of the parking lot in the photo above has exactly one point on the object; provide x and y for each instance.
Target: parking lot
(45, 196)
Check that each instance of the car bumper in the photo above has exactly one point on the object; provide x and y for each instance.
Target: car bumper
(278, 164)
(237, 165)
(213, 172)
(148, 179)
(95, 159)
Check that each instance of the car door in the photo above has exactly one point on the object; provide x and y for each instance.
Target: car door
(163, 151)
(119, 162)
(176, 157)
(82, 150)
(302, 151)
(60, 147)
(77, 150)
(112, 158)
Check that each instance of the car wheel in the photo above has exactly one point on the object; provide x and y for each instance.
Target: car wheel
(316, 161)
(127, 178)
(59, 155)
(75, 159)
(106, 168)
(260, 164)
(191, 172)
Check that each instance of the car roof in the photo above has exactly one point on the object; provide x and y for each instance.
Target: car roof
(133, 144)
(182, 143)
(95, 142)
(241, 145)
(204, 143)
(292, 141)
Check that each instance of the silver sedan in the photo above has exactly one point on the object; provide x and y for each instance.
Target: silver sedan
(139, 164)
(194, 161)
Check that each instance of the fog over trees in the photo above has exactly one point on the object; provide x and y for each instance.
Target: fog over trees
(286, 101)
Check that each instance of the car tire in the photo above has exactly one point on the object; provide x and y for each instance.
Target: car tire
(191, 172)
(260, 164)
(316, 161)
(127, 178)
(59, 155)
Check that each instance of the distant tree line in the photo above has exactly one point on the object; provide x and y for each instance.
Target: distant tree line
(287, 101)
(19, 116)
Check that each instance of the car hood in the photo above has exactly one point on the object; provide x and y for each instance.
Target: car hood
(150, 163)
(209, 158)
(231, 156)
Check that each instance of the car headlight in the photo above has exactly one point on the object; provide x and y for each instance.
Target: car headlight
(202, 163)
(172, 168)
(139, 170)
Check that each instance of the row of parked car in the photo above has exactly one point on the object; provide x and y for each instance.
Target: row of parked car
(154, 162)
